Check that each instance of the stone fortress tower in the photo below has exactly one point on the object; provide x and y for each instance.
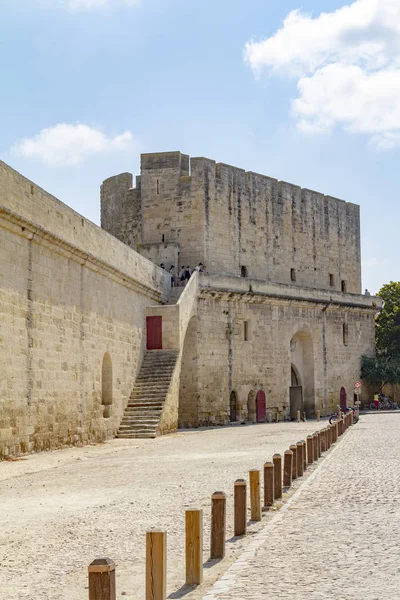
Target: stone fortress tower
(94, 343)
(280, 323)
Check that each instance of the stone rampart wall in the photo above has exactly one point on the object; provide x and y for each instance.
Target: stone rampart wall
(69, 294)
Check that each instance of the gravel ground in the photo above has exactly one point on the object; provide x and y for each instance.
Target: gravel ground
(338, 537)
(60, 510)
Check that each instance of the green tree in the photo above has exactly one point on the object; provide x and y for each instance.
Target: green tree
(387, 334)
(379, 371)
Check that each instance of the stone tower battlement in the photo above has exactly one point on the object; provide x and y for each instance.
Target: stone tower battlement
(187, 210)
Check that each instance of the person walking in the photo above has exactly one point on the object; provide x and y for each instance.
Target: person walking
(376, 401)
(187, 274)
(182, 276)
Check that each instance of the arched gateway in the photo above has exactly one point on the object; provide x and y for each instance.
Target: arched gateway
(302, 386)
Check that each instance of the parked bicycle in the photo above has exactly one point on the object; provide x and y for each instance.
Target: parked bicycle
(335, 417)
(384, 404)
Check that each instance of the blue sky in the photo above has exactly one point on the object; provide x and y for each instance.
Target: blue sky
(308, 98)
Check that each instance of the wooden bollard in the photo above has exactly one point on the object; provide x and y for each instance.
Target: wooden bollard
(340, 427)
(194, 547)
(315, 446)
(299, 459)
(298, 416)
(218, 525)
(318, 415)
(352, 418)
(269, 490)
(323, 441)
(255, 500)
(240, 507)
(328, 437)
(156, 564)
(293, 448)
(310, 449)
(287, 468)
(277, 460)
(304, 455)
(276, 417)
(336, 431)
(102, 579)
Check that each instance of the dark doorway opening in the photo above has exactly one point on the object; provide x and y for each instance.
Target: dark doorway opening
(295, 396)
(261, 407)
(343, 399)
(233, 407)
(154, 333)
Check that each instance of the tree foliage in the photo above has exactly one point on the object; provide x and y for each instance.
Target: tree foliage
(388, 322)
(380, 370)
(385, 367)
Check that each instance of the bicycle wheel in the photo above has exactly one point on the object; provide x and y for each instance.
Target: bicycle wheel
(332, 419)
(372, 406)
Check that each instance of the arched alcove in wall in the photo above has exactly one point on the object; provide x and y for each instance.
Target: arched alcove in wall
(106, 384)
(233, 407)
(302, 388)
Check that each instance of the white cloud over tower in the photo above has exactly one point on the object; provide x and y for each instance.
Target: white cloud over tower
(347, 67)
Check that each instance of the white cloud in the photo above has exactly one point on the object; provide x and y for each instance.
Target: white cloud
(347, 64)
(66, 145)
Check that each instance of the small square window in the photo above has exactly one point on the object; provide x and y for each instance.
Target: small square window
(292, 274)
(331, 280)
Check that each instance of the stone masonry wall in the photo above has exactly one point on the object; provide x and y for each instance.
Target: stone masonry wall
(63, 306)
(228, 219)
(225, 362)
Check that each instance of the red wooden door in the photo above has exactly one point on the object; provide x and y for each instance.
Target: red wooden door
(261, 407)
(343, 399)
(154, 333)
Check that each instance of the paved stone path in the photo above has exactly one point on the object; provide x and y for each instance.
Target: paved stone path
(338, 537)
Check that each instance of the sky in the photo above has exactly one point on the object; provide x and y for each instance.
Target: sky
(277, 88)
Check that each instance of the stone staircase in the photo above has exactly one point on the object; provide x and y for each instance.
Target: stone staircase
(143, 413)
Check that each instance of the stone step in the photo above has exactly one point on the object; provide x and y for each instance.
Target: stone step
(148, 408)
(151, 386)
(137, 427)
(154, 377)
(136, 434)
(151, 360)
(133, 419)
(152, 373)
(137, 395)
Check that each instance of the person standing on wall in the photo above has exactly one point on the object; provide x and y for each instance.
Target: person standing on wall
(182, 276)
(172, 273)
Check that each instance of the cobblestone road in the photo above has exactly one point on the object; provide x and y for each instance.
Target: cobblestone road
(339, 536)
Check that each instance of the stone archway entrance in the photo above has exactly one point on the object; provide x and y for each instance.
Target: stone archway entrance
(233, 407)
(302, 386)
(261, 407)
(295, 394)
